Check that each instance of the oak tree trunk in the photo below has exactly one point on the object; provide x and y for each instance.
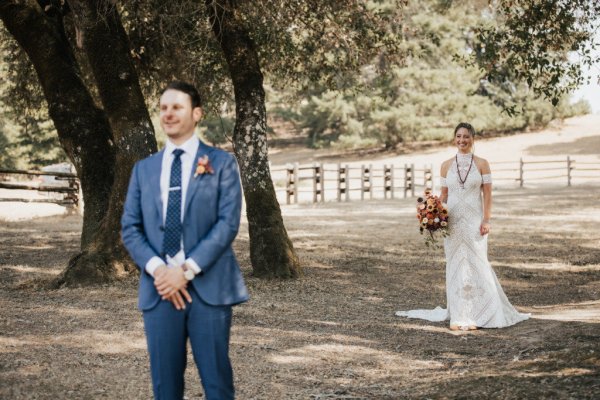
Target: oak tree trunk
(102, 144)
(83, 128)
(271, 251)
(107, 48)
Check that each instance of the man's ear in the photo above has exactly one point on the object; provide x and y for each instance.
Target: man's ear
(197, 114)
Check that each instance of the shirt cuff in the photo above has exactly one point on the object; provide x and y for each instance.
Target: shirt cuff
(197, 270)
(152, 264)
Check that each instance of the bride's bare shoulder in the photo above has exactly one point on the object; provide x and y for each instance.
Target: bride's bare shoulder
(446, 166)
(482, 164)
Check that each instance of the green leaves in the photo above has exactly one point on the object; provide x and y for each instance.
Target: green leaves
(27, 135)
(456, 67)
(534, 41)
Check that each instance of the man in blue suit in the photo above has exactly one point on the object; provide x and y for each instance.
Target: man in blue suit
(181, 215)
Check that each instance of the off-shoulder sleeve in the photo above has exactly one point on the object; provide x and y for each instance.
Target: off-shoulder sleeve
(487, 178)
(443, 182)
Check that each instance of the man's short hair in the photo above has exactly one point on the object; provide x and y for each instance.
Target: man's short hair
(186, 88)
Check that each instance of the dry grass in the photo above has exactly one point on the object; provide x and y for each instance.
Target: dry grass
(332, 334)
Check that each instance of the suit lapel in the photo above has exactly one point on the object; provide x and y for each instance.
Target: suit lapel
(154, 170)
(194, 183)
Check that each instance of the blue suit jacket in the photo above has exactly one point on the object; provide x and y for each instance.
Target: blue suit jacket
(211, 222)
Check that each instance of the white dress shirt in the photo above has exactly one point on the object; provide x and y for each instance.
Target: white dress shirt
(188, 157)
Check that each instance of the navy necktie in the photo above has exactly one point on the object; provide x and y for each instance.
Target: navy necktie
(172, 239)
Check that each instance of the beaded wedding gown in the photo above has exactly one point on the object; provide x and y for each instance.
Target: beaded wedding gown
(473, 294)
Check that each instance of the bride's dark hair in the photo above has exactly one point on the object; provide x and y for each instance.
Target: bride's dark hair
(467, 126)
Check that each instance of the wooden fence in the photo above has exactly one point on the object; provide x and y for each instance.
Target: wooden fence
(64, 184)
(325, 182)
(563, 171)
(322, 182)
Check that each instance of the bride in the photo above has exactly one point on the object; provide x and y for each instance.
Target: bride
(474, 295)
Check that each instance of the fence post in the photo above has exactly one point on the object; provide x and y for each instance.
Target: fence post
(322, 179)
(412, 187)
(427, 178)
(386, 181)
(316, 176)
(339, 182)
(407, 179)
(366, 184)
(362, 182)
(370, 181)
(289, 184)
(569, 170)
(74, 196)
(347, 180)
(296, 183)
(521, 163)
(392, 181)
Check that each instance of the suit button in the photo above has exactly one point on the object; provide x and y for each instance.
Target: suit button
(161, 227)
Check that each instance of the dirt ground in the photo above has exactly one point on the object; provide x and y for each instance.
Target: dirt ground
(333, 333)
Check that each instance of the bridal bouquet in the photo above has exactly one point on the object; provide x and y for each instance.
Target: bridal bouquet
(433, 217)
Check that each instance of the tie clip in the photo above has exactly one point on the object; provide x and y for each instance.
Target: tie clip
(174, 188)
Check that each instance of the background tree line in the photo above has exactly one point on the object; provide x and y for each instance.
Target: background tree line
(418, 100)
(350, 72)
(424, 97)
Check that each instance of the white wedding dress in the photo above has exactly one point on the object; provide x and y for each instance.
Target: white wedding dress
(473, 294)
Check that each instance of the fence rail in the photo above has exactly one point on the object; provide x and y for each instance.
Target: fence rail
(66, 185)
(326, 182)
(320, 182)
(340, 182)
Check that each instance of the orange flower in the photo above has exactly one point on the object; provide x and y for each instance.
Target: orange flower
(203, 167)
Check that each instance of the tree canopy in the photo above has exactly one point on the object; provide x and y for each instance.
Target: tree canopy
(376, 71)
(438, 82)
(356, 73)
(544, 43)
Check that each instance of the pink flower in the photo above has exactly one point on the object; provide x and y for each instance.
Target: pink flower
(203, 167)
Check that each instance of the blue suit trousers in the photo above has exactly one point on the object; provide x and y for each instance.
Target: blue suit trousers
(208, 328)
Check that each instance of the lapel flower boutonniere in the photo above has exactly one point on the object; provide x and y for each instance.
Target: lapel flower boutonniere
(203, 166)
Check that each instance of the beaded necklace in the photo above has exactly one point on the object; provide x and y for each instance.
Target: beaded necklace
(460, 179)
